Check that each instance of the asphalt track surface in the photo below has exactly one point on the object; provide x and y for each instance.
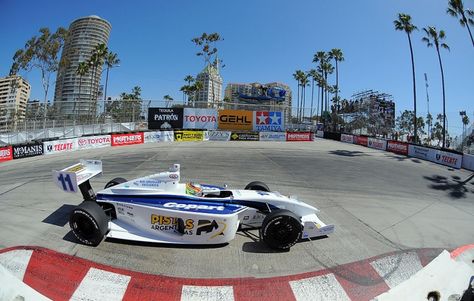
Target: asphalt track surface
(380, 202)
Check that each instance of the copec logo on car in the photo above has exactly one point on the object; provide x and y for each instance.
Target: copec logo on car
(193, 206)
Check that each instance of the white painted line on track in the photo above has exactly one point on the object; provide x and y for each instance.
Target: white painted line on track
(16, 262)
(101, 285)
(205, 293)
(325, 287)
(395, 269)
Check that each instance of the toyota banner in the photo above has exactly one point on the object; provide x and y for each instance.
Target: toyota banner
(204, 119)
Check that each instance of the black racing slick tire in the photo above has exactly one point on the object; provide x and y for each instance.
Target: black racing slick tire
(281, 229)
(89, 223)
(114, 182)
(257, 185)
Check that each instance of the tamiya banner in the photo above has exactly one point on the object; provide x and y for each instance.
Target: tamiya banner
(205, 119)
(59, 146)
(93, 142)
(397, 147)
(299, 136)
(268, 121)
(127, 139)
(159, 136)
(219, 135)
(6, 153)
(377, 143)
(244, 136)
(272, 136)
(27, 150)
(165, 118)
(235, 120)
(188, 135)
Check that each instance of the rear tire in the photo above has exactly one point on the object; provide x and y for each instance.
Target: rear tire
(89, 223)
(114, 182)
(257, 185)
(281, 229)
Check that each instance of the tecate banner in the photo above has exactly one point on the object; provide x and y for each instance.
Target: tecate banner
(361, 140)
(165, 118)
(347, 138)
(188, 135)
(159, 136)
(244, 136)
(397, 147)
(377, 143)
(272, 136)
(447, 158)
(268, 121)
(235, 120)
(127, 139)
(27, 150)
(219, 135)
(93, 142)
(299, 136)
(59, 146)
(6, 153)
(205, 119)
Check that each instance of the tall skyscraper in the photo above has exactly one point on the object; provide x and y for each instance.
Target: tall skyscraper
(210, 95)
(14, 94)
(84, 35)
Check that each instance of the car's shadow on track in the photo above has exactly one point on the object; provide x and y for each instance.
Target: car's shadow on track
(60, 217)
(346, 153)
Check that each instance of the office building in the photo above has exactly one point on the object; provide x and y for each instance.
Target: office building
(210, 96)
(14, 94)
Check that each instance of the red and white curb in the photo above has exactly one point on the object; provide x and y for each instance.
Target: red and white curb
(64, 277)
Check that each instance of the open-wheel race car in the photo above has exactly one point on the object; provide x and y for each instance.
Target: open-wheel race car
(158, 208)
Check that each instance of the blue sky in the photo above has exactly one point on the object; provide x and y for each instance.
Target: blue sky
(264, 41)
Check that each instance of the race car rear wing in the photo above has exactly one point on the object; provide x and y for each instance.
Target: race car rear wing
(76, 177)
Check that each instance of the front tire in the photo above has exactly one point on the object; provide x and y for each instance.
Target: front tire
(257, 185)
(114, 182)
(281, 229)
(89, 223)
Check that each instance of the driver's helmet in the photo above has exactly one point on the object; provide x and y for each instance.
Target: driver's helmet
(193, 189)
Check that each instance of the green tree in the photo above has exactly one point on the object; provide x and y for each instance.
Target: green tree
(456, 9)
(304, 81)
(465, 123)
(168, 99)
(338, 56)
(439, 133)
(404, 124)
(403, 23)
(111, 60)
(433, 37)
(321, 57)
(298, 75)
(95, 61)
(41, 52)
(189, 79)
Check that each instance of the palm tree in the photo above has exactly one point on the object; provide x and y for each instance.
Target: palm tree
(314, 74)
(321, 57)
(456, 9)
(297, 76)
(327, 69)
(111, 60)
(403, 23)
(82, 69)
(97, 59)
(185, 89)
(168, 99)
(304, 83)
(337, 55)
(433, 37)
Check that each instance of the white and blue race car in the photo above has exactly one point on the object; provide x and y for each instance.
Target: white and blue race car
(158, 208)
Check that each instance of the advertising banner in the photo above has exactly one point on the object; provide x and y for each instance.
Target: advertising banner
(468, 162)
(159, 136)
(347, 138)
(268, 121)
(299, 136)
(272, 136)
(93, 142)
(6, 153)
(244, 136)
(447, 158)
(420, 152)
(205, 119)
(188, 135)
(319, 134)
(219, 135)
(165, 118)
(127, 139)
(397, 147)
(59, 146)
(235, 120)
(361, 140)
(27, 150)
(377, 143)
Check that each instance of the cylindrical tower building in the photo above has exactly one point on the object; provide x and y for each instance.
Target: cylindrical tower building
(75, 95)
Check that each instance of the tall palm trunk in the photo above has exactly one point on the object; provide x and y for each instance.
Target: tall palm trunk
(317, 105)
(312, 97)
(468, 29)
(303, 102)
(298, 103)
(106, 82)
(415, 125)
(444, 98)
